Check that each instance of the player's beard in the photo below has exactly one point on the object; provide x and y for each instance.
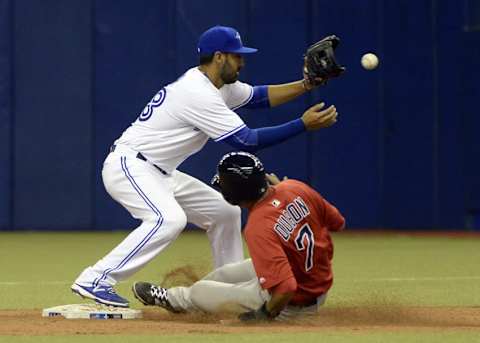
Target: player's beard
(228, 73)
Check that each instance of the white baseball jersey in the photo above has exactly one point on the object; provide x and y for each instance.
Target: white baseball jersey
(181, 117)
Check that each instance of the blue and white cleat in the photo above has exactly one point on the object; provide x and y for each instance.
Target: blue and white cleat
(101, 294)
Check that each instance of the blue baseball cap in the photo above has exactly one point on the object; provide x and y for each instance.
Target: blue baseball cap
(223, 39)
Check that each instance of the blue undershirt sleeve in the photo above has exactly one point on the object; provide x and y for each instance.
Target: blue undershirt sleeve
(259, 98)
(252, 140)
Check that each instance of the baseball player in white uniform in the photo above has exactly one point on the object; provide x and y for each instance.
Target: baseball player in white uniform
(141, 170)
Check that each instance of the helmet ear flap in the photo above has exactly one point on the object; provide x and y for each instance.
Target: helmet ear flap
(215, 181)
(237, 189)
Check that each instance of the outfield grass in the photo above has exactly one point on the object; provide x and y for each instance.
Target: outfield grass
(42, 266)
(370, 269)
(409, 270)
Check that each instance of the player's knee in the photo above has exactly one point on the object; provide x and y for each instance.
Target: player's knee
(202, 295)
(152, 217)
(179, 221)
(175, 222)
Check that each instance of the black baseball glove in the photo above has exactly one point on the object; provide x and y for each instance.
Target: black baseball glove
(261, 314)
(320, 63)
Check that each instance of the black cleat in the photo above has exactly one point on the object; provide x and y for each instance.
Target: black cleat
(151, 295)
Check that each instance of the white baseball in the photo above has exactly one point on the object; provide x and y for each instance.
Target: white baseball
(369, 61)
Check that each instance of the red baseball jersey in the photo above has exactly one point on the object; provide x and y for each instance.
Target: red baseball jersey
(287, 234)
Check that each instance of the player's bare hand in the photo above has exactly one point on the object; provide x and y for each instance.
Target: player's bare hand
(273, 179)
(315, 118)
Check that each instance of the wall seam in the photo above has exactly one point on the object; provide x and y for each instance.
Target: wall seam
(173, 39)
(12, 116)
(381, 120)
(436, 115)
(309, 97)
(93, 159)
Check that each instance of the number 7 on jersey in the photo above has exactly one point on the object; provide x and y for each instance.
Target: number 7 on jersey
(305, 234)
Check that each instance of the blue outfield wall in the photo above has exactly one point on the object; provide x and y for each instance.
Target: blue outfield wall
(471, 127)
(344, 158)
(53, 115)
(5, 113)
(133, 58)
(409, 115)
(451, 176)
(404, 153)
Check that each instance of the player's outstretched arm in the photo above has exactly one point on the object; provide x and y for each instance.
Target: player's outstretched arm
(273, 95)
(280, 94)
(252, 140)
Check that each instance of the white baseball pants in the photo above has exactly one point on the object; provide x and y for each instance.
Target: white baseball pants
(232, 288)
(164, 204)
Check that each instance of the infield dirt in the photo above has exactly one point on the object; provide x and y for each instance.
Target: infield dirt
(30, 322)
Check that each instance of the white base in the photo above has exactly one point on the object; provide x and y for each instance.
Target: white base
(91, 311)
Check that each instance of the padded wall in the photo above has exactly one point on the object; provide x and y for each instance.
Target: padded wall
(345, 158)
(404, 153)
(5, 113)
(53, 115)
(133, 59)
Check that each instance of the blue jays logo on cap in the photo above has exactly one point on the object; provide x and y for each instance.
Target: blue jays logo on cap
(223, 39)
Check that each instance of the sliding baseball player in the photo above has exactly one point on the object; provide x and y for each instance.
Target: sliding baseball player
(288, 237)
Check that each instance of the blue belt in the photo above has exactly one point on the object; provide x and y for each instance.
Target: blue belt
(141, 157)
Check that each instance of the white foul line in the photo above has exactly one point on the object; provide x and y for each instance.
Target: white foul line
(389, 279)
(401, 279)
(39, 283)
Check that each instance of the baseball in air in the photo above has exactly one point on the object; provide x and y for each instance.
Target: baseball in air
(369, 61)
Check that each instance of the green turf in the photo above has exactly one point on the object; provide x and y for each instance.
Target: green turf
(38, 268)
(368, 269)
(42, 266)
(409, 270)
